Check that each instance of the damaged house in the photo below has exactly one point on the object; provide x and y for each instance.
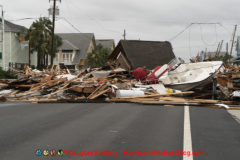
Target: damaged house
(74, 50)
(131, 54)
(15, 49)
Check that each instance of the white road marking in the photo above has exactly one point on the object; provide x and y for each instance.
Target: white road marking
(187, 137)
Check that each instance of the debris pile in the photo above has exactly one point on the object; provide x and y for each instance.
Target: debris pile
(229, 82)
(62, 86)
(114, 85)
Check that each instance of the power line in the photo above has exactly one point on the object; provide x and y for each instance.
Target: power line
(216, 35)
(66, 26)
(173, 38)
(195, 46)
(71, 24)
(220, 24)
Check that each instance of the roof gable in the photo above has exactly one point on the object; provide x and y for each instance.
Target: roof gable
(144, 53)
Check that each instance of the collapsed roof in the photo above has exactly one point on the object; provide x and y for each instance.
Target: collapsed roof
(147, 54)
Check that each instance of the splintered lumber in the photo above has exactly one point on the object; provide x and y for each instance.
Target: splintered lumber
(22, 86)
(27, 94)
(209, 101)
(3, 85)
(27, 70)
(172, 101)
(62, 89)
(46, 87)
(99, 89)
(4, 80)
(233, 108)
(43, 101)
(46, 79)
(99, 94)
(176, 99)
(49, 84)
(159, 95)
(82, 89)
(12, 93)
(236, 75)
(203, 101)
(227, 94)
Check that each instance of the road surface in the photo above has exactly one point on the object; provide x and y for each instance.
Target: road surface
(25, 128)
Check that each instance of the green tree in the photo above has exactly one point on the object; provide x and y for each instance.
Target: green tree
(40, 36)
(98, 57)
(5, 75)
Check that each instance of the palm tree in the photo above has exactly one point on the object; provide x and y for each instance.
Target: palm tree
(39, 36)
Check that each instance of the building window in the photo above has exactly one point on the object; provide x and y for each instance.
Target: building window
(67, 56)
(0, 55)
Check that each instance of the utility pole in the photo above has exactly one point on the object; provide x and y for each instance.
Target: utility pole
(53, 30)
(53, 11)
(29, 47)
(234, 33)
(3, 39)
(220, 48)
(124, 35)
(217, 50)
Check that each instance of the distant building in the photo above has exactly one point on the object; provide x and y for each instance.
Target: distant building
(16, 51)
(131, 54)
(74, 50)
(106, 43)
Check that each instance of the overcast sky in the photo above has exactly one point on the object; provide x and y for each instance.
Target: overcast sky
(157, 20)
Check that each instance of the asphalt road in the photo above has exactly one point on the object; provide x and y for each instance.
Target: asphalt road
(24, 128)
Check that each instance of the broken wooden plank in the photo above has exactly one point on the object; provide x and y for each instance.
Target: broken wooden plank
(3, 85)
(82, 89)
(66, 84)
(236, 75)
(22, 85)
(48, 84)
(99, 94)
(100, 88)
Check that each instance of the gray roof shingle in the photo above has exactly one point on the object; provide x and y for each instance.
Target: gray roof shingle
(11, 27)
(106, 43)
(68, 46)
